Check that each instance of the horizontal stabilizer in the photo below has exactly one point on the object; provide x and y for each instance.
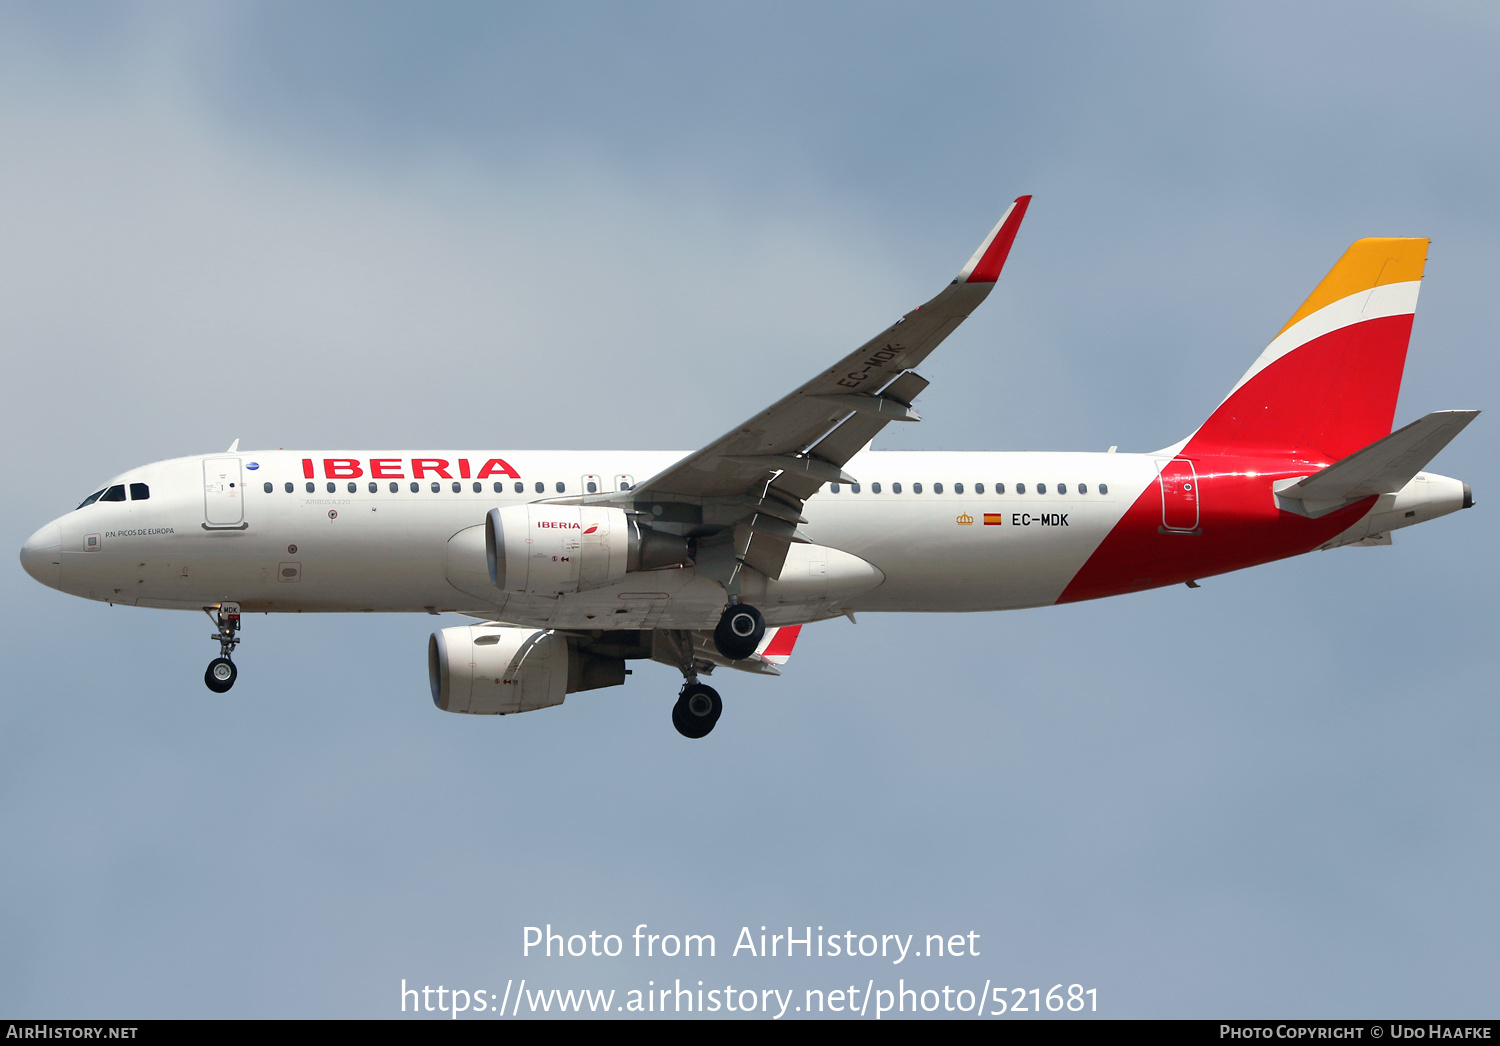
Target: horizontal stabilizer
(1384, 467)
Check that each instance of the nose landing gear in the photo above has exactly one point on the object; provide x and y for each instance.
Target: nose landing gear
(221, 672)
(220, 675)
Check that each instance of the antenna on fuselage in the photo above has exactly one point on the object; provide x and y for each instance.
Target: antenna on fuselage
(233, 447)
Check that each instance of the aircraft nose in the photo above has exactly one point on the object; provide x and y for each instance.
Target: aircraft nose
(42, 555)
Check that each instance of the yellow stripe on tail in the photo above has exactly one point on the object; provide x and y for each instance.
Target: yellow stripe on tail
(1369, 263)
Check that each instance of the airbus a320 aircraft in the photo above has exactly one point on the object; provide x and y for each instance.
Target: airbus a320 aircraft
(573, 563)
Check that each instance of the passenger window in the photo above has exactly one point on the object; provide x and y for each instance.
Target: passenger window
(520, 487)
(895, 488)
(541, 488)
(1041, 488)
(854, 488)
(1000, 488)
(374, 487)
(312, 488)
(1083, 488)
(1104, 488)
(331, 487)
(833, 488)
(958, 488)
(593, 487)
(1020, 488)
(353, 487)
(268, 488)
(437, 488)
(458, 488)
(416, 488)
(479, 488)
(937, 488)
(289, 488)
(114, 493)
(395, 487)
(1062, 488)
(561, 486)
(916, 488)
(140, 492)
(874, 488)
(978, 488)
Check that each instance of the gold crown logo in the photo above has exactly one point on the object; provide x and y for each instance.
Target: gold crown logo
(965, 520)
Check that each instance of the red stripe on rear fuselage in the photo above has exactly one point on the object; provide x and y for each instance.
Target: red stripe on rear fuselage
(1239, 526)
(1317, 404)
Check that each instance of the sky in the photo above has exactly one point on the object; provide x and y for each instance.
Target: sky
(583, 225)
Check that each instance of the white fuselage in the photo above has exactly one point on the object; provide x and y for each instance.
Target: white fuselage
(404, 531)
(940, 531)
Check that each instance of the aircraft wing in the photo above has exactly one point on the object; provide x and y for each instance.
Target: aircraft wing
(754, 479)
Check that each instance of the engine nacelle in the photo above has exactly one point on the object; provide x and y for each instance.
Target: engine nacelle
(552, 549)
(548, 549)
(494, 670)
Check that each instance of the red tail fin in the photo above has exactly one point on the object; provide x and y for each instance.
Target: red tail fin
(1327, 385)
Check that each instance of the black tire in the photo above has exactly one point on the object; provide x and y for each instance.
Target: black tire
(697, 710)
(739, 632)
(221, 675)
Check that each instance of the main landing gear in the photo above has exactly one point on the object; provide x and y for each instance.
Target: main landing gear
(697, 710)
(221, 672)
(698, 707)
(739, 632)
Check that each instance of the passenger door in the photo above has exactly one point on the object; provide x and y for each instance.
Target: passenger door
(223, 494)
(1179, 496)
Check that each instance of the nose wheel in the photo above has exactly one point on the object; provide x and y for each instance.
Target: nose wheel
(697, 710)
(221, 673)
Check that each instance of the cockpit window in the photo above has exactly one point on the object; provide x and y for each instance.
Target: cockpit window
(114, 493)
(139, 492)
(95, 496)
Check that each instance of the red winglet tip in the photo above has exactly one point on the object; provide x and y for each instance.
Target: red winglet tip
(987, 269)
(781, 645)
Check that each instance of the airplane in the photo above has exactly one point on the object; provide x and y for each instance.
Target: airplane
(572, 563)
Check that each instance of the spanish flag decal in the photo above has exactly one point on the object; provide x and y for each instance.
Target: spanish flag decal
(994, 519)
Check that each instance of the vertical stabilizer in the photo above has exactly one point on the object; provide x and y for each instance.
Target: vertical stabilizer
(1327, 384)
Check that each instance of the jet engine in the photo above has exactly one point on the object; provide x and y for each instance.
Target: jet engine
(551, 549)
(495, 670)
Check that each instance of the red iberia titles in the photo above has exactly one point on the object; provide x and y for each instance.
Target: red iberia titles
(403, 468)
